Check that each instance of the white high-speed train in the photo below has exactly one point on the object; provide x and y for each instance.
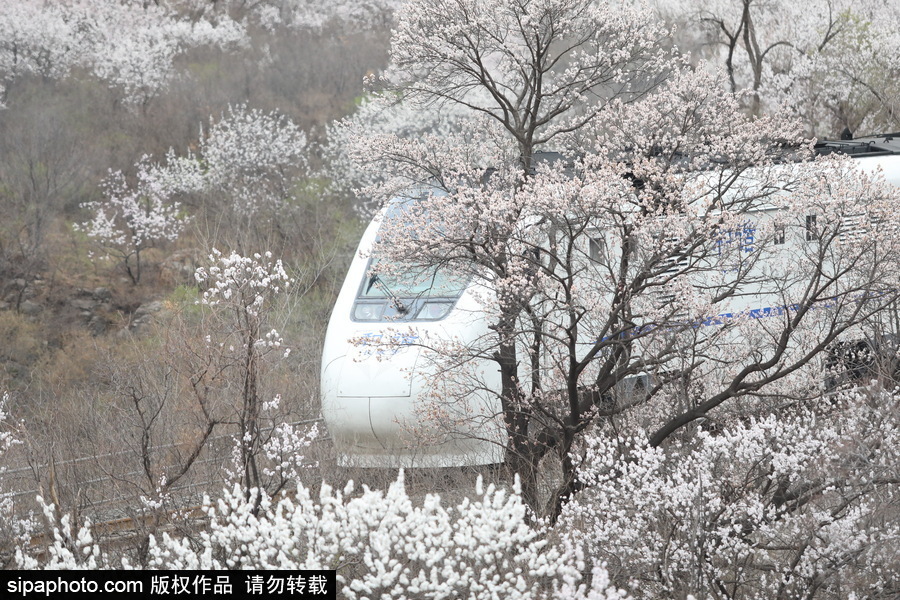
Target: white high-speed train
(376, 398)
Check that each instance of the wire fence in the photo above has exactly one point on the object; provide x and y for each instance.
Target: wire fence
(115, 486)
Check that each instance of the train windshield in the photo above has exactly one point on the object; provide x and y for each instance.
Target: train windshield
(407, 291)
(411, 281)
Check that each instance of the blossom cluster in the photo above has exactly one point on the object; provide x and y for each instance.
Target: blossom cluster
(69, 547)
(286, 448)
(14, 528)
(384, 544)
(133, 217)
(781, 504)
(246, 161)
(130, 45)
(245, 281)
(248, 158)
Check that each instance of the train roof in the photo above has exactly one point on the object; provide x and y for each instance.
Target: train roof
(885, 144)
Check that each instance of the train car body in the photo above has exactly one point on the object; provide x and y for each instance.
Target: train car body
(381, 402)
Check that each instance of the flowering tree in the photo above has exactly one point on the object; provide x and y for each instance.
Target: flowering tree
(241, 291)
(245, 172)
(634, 259)
(789, 505)
(247, 164)
(834, 62)
(133, 218)
(501, 60)
(382, 543)
(249, 156)
(130, 45)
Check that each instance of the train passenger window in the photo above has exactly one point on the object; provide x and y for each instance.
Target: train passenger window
(597, 249)
(779, 236)
(811, 230)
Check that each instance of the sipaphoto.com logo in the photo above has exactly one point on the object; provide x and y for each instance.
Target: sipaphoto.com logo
(182, 585)
(30, 585)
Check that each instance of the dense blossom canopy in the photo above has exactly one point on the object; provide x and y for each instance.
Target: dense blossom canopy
(667, 277)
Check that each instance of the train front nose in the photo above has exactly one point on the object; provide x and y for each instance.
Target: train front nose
(379, 403)
(373, 370)
(367, 399)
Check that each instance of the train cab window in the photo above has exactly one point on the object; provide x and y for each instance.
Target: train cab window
(407, 292)
(412, 281)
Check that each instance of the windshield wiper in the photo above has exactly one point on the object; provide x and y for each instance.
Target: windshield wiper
(398, 304)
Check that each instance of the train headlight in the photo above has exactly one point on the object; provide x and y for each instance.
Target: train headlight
(368, 311)
(433, 311)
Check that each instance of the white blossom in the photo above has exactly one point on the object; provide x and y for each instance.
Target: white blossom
(132, 218)
(786, 503)
(384, 544)
(247, 281)
(130, 45)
